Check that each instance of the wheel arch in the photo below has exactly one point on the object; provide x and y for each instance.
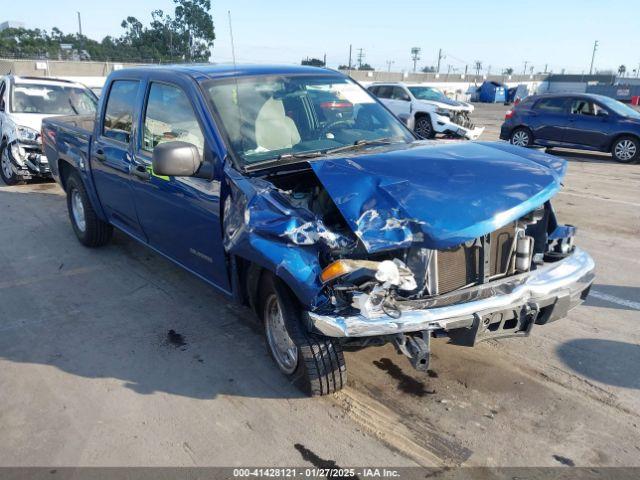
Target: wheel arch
(618, 136)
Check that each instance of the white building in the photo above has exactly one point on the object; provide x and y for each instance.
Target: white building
(11, 24)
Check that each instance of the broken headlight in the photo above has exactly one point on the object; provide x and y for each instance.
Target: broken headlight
(388, 273)
(26, 134)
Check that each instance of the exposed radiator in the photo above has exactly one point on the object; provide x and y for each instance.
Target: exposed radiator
(461, 266)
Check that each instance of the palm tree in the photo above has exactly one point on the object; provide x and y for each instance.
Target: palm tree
(622, 70)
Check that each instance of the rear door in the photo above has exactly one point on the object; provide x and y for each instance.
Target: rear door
(549, 119)
(179, 215)
(111, 155)
(589, 124)
(401, 103)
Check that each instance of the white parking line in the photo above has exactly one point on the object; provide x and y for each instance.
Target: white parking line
(613, 299)
(594, 197)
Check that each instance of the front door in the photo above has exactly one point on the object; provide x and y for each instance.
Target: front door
(179, 215)
(111, 156)
(588, 125)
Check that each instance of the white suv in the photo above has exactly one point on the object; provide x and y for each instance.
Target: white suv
(426, 110)
(24, 102)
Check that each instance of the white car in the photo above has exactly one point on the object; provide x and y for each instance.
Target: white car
(24, 102)
(426, 110)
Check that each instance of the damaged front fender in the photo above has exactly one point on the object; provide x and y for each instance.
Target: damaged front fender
(262, 226)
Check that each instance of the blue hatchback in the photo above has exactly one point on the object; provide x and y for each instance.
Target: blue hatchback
(580, 121)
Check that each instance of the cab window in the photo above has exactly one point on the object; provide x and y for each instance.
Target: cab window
(118, 116)
(581, 106)
(170, 117)
(398, 93)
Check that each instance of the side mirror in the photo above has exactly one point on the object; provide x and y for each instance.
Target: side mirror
(176, 159)
(603, 113)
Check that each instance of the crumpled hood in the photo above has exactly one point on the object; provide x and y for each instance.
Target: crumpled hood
(449, 104)
(438, 195)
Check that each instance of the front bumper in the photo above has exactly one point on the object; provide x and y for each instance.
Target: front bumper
(33, 163)
(563, 283)
(443, 124)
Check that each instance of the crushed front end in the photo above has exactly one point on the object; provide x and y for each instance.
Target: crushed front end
(23, 155)
(377, 255)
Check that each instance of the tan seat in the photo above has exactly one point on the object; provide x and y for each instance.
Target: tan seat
(274, 130)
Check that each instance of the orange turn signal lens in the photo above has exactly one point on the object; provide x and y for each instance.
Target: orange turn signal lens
(342, 267)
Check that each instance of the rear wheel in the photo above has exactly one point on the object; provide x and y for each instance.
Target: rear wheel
(90, 230)
(521, 137)
(313, 363)
(423, 127)
(9, 176)
(626, 150)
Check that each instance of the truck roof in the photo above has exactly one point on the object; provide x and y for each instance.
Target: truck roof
(205, 71)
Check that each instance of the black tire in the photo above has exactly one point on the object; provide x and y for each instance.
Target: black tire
(521, 137)
(9, 179)
(320, 367)
(626, 150)
(95, 233)
(423, 127)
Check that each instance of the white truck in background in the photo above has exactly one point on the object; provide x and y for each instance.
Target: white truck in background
(427, 111)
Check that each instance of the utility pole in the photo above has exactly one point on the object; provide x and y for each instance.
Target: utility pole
(350, 49)
(389, 63)
(545, 67)
(360, 57)
(524, 70)
(79, 24)
(440, 57)
(324, 60)
(415, 56)
(593, 56)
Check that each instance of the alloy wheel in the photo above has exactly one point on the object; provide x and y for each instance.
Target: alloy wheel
(282, 346)
(520, 138)
(7, 169)
(625, 150)
(423, 128)
(77, 209)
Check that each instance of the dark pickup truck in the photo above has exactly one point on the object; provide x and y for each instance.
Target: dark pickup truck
(293, 190)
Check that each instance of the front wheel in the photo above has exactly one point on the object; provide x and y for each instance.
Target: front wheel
(521, 137)
(423, 127)
(90, 230)
(9, 176)
(625, 150)
(313, 363)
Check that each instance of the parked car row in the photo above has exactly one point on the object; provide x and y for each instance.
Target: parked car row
(294, 190)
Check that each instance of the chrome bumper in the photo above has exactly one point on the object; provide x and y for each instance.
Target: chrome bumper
(565, 279)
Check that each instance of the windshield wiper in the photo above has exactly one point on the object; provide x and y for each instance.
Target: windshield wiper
(362, 143)
(286, 158)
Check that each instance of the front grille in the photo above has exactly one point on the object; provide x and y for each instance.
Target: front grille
(461, 266)
(461, 118)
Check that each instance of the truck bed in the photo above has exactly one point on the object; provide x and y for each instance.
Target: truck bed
(82, 124)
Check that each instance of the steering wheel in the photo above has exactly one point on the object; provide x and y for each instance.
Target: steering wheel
(331, 125)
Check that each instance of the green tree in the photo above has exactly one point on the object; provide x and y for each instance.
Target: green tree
(313, 62)
(366, 67)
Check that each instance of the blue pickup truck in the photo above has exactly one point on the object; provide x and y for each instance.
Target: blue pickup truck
(293, 190)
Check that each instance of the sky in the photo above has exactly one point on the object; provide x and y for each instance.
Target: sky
(553, 33)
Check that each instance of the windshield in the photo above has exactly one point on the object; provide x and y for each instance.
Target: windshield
(46, 99)
(619, 107)
(267, 118)
(427, 93)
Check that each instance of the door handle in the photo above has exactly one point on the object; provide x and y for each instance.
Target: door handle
(100, 155)
(141, 172)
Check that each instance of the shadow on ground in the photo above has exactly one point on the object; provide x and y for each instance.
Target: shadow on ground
(605, 361)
